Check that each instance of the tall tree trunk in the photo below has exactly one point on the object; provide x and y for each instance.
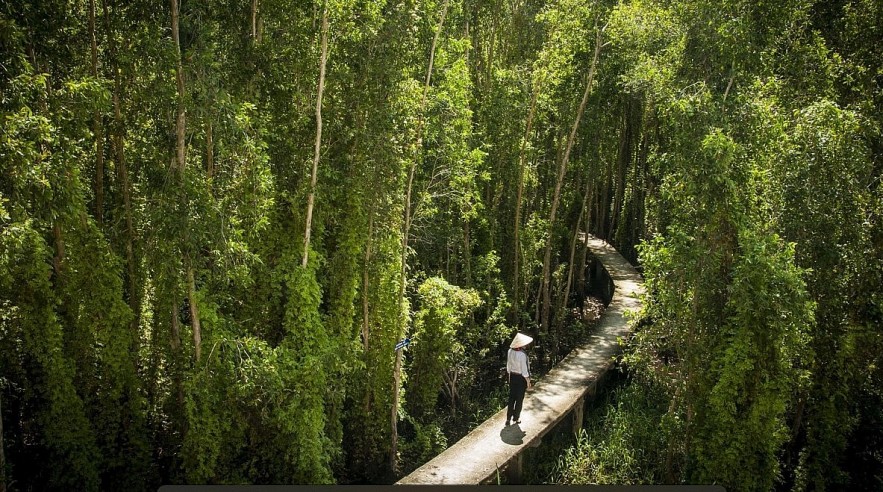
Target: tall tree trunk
(467, 253)
(366, 314)
(489, 64)
(98, 128)
(318, 145)
(625, 157)
(194, 311)
(547, 258)
(576, 233)
(581, 275)
(397, 375)
(522, 157)
(58, 259)
(181, 160)
(730, 82)
(179, 79)
(118, 148)
(254, 21)
(209, 151)
(636, 213)
(670, 451)
(406, 229)
(176, 328)
(175, 342)
(604, 202)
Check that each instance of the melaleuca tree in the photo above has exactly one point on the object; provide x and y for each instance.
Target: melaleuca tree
(40, 149)
(504, 44)
(110, 387)
(365, 226)
(730, 310)
(423, 174)
(437, 351)
(214, 448)
(825, 202)
(836, 141)
(351, 189)
(307, 346)
(729, 338)
(304, 342)
(449, 200)
(571, 28)
(45, 397)
(98, 335)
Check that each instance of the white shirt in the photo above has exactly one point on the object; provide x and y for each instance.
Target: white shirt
(516, 362)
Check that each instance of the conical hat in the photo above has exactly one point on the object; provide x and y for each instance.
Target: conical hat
(520, 340)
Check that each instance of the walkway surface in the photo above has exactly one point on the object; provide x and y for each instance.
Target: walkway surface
(484, 452)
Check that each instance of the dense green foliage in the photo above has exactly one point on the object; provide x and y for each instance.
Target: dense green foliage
(760, 138)
(184, 299)
(621, 441)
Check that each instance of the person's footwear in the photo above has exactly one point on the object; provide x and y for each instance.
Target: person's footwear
(517, 421)
(507, 422)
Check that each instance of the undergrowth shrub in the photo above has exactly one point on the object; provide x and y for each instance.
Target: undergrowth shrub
(622, 441)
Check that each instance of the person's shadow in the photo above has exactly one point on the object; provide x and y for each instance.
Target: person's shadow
(512, 434)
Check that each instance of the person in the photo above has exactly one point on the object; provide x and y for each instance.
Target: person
(519, 376)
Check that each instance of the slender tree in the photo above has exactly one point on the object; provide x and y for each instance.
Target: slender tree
(522, 156)
(406, 231)
(98, 127)
(556, 196)
(318, 144)
(180, 123)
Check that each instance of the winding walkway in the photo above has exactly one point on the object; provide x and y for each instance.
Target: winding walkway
(492, 447)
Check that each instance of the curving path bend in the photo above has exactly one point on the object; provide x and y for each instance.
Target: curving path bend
(492, 447)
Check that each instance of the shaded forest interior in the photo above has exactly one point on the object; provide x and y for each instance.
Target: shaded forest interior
(217, 219)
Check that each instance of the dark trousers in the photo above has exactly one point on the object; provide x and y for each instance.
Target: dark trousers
(517, 388)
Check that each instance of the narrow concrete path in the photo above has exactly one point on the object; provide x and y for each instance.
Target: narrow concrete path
(486, 451)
